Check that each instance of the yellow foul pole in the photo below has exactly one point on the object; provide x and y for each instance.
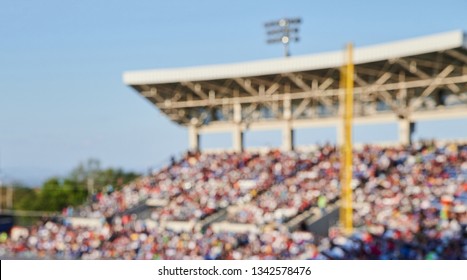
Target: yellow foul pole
(347, 81)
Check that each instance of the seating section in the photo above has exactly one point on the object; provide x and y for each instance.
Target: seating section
(409, 203)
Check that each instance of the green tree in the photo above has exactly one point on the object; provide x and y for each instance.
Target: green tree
(73, 190)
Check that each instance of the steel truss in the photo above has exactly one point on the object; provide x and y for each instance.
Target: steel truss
(406, 88)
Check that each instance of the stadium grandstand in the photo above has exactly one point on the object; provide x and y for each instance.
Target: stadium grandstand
(403, 82)
(409, 198)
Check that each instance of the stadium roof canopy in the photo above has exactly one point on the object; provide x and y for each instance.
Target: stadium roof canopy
(375, 53)
(409, 79)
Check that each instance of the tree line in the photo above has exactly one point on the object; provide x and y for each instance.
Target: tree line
(56, 193)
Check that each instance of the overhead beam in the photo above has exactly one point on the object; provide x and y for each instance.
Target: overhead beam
(437, 114)
(415, 70)
(196, 88)
(383, 95)
(246, 85)
(435, 84)
(457, 55)
(305, 102)
(301, 84)
(219, 89)
(307, 94)
(152, 93)
(272, 89)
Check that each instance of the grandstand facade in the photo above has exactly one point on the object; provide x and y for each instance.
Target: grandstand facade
(404, 82)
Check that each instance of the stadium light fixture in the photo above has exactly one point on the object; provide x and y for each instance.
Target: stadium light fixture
(283, 31)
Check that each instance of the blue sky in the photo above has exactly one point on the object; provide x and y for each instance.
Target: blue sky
(62, 99)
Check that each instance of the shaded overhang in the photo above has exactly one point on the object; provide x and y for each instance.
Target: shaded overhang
(420, 65)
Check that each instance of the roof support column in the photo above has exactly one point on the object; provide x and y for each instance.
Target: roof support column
(287, 130)
(193, 138)
(237, 133)
(287, 137)
(237, 139)
(406, 129)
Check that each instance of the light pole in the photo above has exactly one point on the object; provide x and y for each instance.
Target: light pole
(283, 31)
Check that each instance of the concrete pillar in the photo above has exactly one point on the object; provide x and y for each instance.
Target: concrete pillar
(287, 137)
(406, 129)
(237, 133)
(237, 113)
(287, 107)
(193, 138)
(237, 138)
(287, 131)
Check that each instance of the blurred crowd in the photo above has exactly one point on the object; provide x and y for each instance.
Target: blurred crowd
(207, 183)
(303, 178)
(409, 203)
(134, 240)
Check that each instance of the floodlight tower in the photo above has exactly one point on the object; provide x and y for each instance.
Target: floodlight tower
(283, 31)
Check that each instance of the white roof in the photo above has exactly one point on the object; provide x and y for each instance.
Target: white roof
(374, 53)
